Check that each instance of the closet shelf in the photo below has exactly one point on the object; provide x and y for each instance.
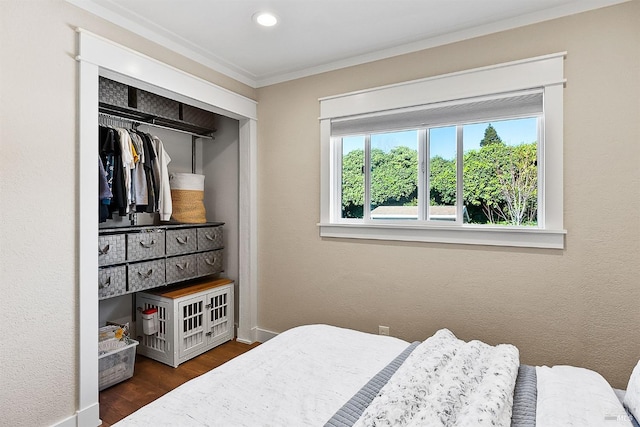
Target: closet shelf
(151, 119)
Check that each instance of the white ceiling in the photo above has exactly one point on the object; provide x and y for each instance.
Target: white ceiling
(314, 36)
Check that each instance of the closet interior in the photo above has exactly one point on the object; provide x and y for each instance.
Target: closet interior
(142, 249)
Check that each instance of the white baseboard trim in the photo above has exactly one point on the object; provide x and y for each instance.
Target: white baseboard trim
(257, 335)
(88, 417)
(264, 335)
(67, 422)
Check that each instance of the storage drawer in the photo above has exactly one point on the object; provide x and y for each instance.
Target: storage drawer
(209, 238)
(181, 268)
(112, 281)
(145, 275)
(209, 263)
(145, 245)
(181, 241)
(111, 249)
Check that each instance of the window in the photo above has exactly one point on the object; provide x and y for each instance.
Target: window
(472, 157)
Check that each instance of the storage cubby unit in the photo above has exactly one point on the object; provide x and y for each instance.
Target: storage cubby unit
(192, 319)
(133, 259)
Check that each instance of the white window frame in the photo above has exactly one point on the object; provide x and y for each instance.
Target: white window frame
(546, 72)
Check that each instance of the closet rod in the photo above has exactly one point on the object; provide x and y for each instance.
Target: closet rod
(137, 123)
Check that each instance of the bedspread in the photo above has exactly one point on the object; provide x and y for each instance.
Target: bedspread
(299, 378)
(307, 374)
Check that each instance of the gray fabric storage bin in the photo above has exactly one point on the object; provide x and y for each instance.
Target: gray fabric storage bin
(146, 275)
(209, 262)
(181, 268)
(209, 238)
(181, 241)
(158, 105)
(198, 117)
(113, 93)
(145, 244)
(112, 281)
(111, 249)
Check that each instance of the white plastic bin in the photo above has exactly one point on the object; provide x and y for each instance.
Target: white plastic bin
(117, 365)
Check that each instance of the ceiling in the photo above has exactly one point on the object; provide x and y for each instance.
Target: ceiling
(314, 36)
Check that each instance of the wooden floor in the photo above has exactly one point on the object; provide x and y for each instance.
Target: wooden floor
(152, 379)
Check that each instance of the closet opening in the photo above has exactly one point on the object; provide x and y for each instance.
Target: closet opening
(236, 137)
(198, 142)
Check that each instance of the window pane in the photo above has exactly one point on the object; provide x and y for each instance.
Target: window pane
(353, 177)
(394, 175)
(442, 174)
(500, 175)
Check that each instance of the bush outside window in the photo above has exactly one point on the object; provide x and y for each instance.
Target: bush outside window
(499, 175)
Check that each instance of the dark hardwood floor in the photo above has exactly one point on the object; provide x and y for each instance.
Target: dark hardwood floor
(152, 379)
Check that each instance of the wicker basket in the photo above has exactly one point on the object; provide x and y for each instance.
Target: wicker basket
(187, 198)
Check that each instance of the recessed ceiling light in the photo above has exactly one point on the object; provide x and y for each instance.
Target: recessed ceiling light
(265, 19)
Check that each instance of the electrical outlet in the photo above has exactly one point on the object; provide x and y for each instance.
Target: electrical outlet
(383, 330)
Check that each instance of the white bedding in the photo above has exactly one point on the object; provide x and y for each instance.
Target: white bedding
(572, 396)
(301, 377)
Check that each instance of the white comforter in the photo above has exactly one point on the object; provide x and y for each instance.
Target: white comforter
(299, 378)
(448, 382)
(572, 396)
(303, 376)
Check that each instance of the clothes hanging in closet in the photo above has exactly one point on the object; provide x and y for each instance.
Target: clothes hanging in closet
(135, 167)
(109, 151)
(104, 191)
(165, 205)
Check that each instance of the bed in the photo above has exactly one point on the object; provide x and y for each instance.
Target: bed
(320, 375)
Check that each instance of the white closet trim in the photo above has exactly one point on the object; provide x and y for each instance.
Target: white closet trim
(99, 56)
(163, 78)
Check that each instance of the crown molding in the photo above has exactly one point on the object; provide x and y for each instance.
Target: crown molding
(167, 39)
(187, 49)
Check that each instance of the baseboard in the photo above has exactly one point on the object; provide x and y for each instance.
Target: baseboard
(263, 335)
(257, 335)
(68, 422)
(88, 417)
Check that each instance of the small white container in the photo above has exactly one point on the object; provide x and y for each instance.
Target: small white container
(149, 319)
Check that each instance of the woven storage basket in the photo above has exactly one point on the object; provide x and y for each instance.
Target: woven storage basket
(113, 93)
(158, 105)
(198, 116)
(187, 198)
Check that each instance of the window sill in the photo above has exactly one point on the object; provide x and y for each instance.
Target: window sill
(464, 235)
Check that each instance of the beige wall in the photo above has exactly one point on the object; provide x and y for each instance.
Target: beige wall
(38, 201)
(576, 306)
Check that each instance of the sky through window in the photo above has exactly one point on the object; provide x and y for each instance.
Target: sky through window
(512, 132)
